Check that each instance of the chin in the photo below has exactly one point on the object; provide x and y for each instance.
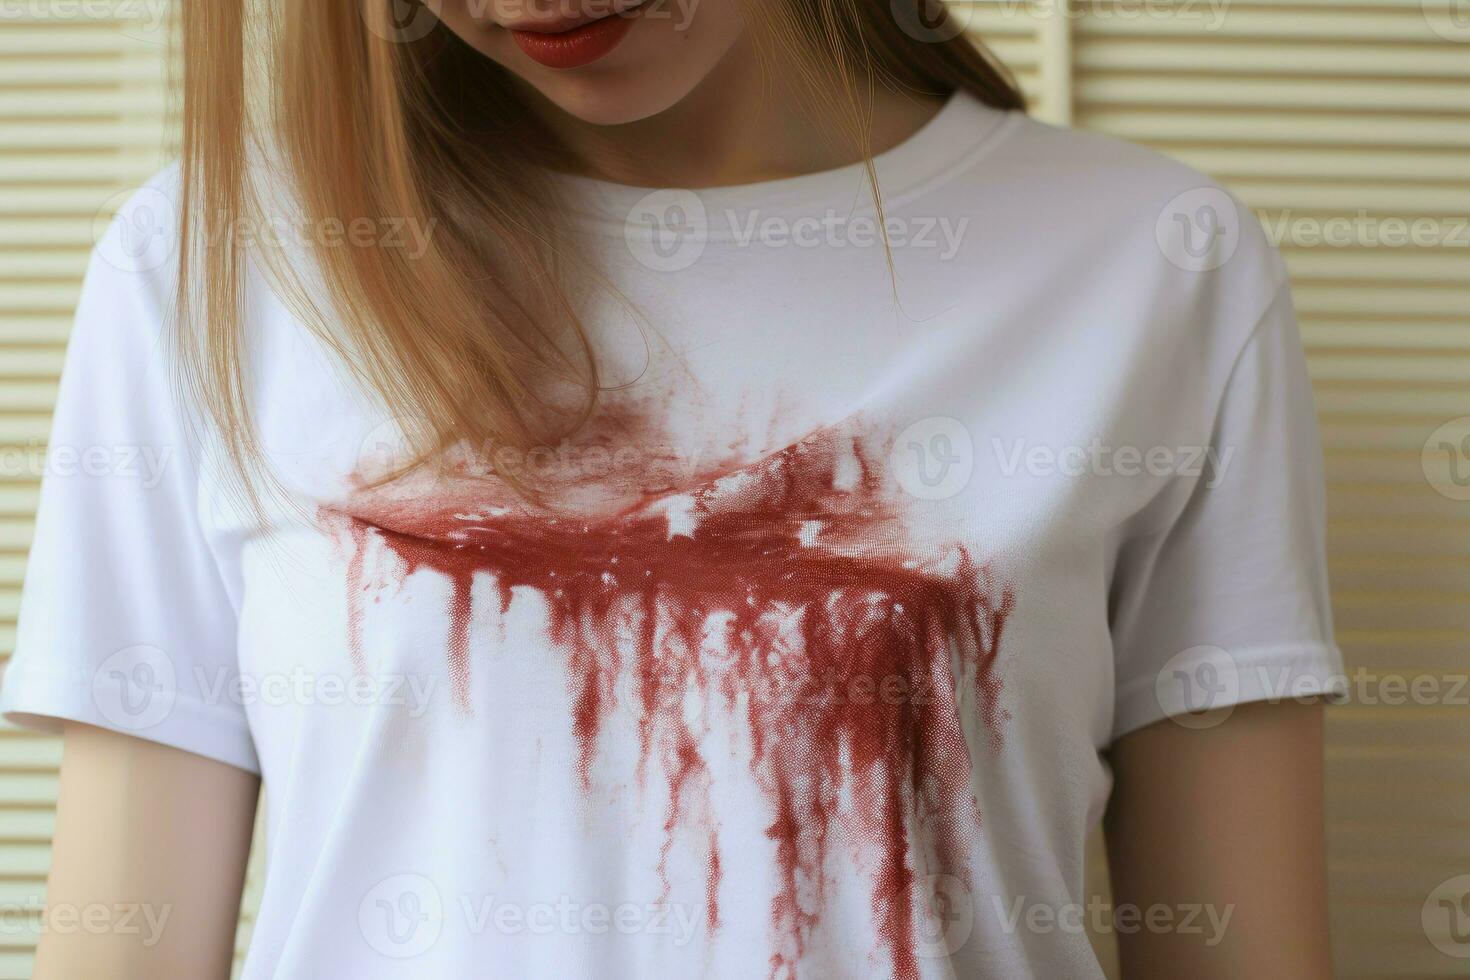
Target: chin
(659, 62)
(612, 101)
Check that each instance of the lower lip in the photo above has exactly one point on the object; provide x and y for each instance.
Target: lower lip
(576, 47)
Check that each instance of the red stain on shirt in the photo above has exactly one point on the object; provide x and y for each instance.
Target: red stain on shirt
(784, 594)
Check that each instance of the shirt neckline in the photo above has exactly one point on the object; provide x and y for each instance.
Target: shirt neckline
(950, 142)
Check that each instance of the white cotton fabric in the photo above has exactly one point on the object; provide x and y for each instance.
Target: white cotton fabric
(1102, 341)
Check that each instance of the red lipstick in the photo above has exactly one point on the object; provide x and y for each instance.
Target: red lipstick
(581, 45)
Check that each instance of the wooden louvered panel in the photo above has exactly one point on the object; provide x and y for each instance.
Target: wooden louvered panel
(1339, 110)
(82, 104)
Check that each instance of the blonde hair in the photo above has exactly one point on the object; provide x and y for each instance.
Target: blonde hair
(469, 337)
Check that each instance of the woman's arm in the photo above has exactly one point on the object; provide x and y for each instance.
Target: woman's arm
(1228, 816)
(156, 837)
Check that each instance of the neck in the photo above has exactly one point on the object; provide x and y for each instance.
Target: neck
(737, 127)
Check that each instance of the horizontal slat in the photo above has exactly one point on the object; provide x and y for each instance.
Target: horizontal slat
(16, 495)
(100, 136)
(1308, 165)
(1389, 265)
(1377, 334)
(1351, 538)
(1428, 401)
(1407, 612)
(84, 105)
(30, 68)
(23, 205)
(32, 330)
(90, 30)
(27, 824)
(122, 169)
(32, 362)
(27, 789)
(1370, 436)
(1273, 22)
(1434, 211)
(1363, 299)
(1341, 94)
(30, 397)
(1005, 19)
(1267, 56)
(1291, 128)
(68, 231)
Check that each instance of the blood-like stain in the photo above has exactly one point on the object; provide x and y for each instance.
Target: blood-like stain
(786, 593)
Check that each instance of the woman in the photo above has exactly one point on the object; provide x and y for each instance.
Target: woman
(671, 490)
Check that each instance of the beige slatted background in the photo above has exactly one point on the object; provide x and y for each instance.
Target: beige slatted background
(80, 118)
(1310, 110)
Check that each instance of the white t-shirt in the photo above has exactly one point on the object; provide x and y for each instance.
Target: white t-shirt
(857, 577)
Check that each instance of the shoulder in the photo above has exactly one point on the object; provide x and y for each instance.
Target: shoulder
(120, 323)
(134, 267)
(1109, 202)
(137, 249)
(1159, 251)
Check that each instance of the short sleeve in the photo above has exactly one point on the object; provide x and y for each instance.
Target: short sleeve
(124, 621)
(1224, 600)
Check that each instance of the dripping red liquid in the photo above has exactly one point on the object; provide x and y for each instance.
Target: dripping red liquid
(785, 590)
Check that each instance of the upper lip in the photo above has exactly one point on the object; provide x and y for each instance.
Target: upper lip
(557, 24)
